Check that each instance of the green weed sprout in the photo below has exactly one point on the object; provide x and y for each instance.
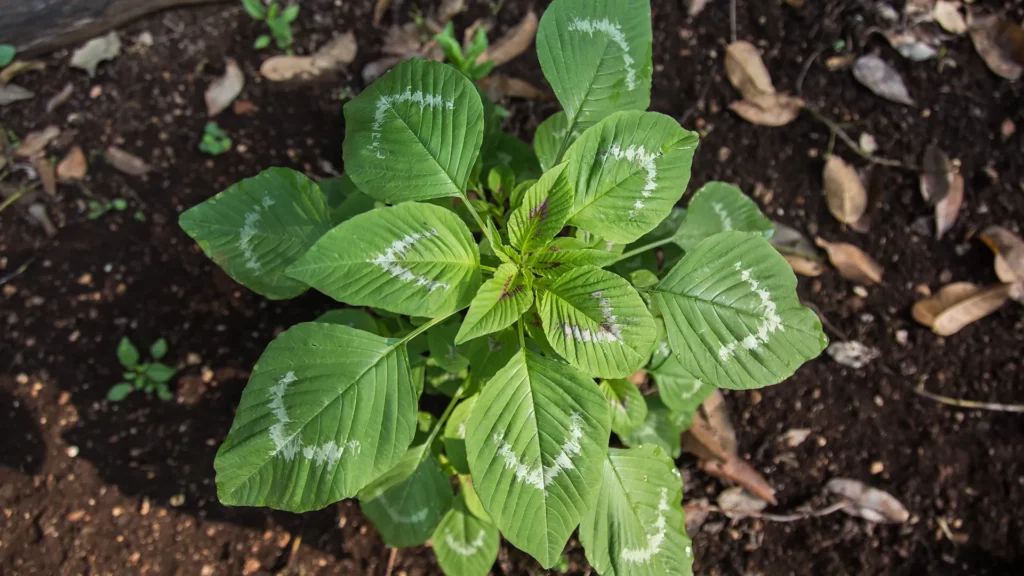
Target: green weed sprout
(148, 377)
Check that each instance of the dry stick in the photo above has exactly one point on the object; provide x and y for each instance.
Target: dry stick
(994, 406)
(391, 561)
(296, 542)
(837, 130)
(732, 20)
(776, 517)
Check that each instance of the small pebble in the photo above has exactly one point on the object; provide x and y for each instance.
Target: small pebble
(177, 500)
(71, 451)
(877, 468)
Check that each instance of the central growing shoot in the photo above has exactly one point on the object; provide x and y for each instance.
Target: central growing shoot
(525, 284)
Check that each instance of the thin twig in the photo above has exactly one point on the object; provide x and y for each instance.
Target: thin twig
(837, 130)
(806, 68)
(14, 197)
(293, 554)
(703, 94)
(391, 561)
(775, 517)
(994, 406)
(732, 20)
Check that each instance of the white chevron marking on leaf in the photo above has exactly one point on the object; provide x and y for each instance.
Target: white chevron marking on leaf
(645, 160)
(387, 100)
(247, 232)
(769, 323)
(396, 516)
(389, 261)
(329, 452)
(542, 477)
(723, 214)
(654, 541)
(465, 548)
(614, 33)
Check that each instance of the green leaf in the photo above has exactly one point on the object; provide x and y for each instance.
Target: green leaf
(490, 353)
(407, 501)
(597, 321)
(160, 373)
(628, 408)
(543, 211)
(254, 8)
(414, 134)
(643, 278)
(597, 57)
(7, 54)
(262, 41)
(534, 440)
(259, 226)
(628, 172)
(127, 353)
(290, 13)
(450, 46)
(635, 525)
(516, 154)
(455, 434)
(464, 544)
(732, 313)
(158, 349)
(498, 304)
(444, 349)
(548, 139)
(515, 200)
(720, 207)
(650, 260)
(163, 392)
(662, 428)
(351, 317)
(119, 392)
(327, 409)
(500, 182)
(552, 261)
(680, 390)
(413, 259)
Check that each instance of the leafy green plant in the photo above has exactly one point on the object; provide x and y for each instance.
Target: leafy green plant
(466, 63)
(496, 274)
(277, 20)
(215, 140)
(148, 377)
(98, 208)
(7, 54)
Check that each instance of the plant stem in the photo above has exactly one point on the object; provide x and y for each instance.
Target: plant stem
(488, 269)
(479, 220)
(447, 412)
(837, 130)
(14, 197)
(973, 404)
(422, 328)
(522, 337)
(645, 248)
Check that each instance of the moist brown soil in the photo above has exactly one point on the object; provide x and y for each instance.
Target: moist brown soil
(90, 487)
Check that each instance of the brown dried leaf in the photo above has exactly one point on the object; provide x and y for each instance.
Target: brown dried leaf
(781, 110)
(20, 67)
(696, 512)
(911, 45)
(876, 195)
(738, 500)
(60, 97)
(499, 87)
(380, 10)
(223, 91)
(1007, 246)
(47, 177)
(73, 167)
(844, 192)
(126, 162)
(947, 14)
(735, 469)
(340, 51)
(696, 7)
(882, 79)
(854, 354)
(1000, 43)
(514, 42)
(868, 503)
(925, 311)
(332, 56)
(35, 142)
(377, 68)
(852, 263)
(804, 266)
(936, 175)
(1003, 271)
(840, 62)
(449, 9)
(747, 72)
(948, 209)
(959, 304)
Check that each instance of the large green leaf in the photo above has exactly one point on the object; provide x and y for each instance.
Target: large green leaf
(414, 259)
(596, 320)
(454, 436)
(498, 304)
(465, 545)
(351, 317)
(628, 172)
(597, 56)
(327, 409)
(407, 501)
(553, 261)
(720, 207)
(635, 525)
(662, 428)
(543, 212)
(535, 440)
(732, 314)
(490, 353)
(680, 390)
(628, 408)
(550, 136)
(414, 134)
(259, 226)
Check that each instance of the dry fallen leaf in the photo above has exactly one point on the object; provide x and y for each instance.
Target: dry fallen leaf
(1008, 247)
(739, 501)
(337, 53)
(380, 10)
(97, 50)
(840, 61)
(947, 14)
(126, 162)
(882, 79)
(936, 175)
(852, 263)
(876, 190)
(735, 469)
(20, 67)
(797, 250)
(795, 436)
(223, 91)
(747, 72)
(696, 512)
(35, 143)
(47, 176)
(844, 192)
(959, 304)
(514, 42)
(38, 213)
(696, 7)
(911, 45)
(804, 266)
(1003, 271)
(948, 209)
(784, 110)
(868, 503)
(498, 87)
(1000, 43)
(12, 93)
(73, 167)
(853, 354)
(60, 97)
(449, 9)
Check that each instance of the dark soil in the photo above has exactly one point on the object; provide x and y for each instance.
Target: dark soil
(90, 487)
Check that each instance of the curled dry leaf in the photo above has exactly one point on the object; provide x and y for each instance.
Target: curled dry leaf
(853, 354)
(804, 266)
(380, 9)
(936, 175)
(876, 189)
(696, 7)
(20, 67)
(797, 250)
(223, 91)
(12, 93)
(782, 110)
(1009, 248)
(882, 79)
(844, 192)
(852, 263)
(696, 512)
(73, 167)
(912, 45)
(948, 209)
(60, 97)
(47, 176)
(740, 502)
(514, 42)
(97, 50)
(747, 72)
(947, 14)
(795, 436)
(735, 469)
(449, 9)
(499, 86)
(869, 503)
(1000, 43)
(38, 213)
(332, 56)
(959, 304)
(35, 142)
(126, 162)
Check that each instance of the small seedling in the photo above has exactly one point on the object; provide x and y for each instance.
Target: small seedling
(215, 140)
(277, 20)
(97, 208)
(7, 54)
(148, 377)
(465, 62)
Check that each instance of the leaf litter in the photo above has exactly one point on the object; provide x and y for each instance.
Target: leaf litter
(853, 354)
(514, 42)
(959, 304)
(869, 503)
(798, 251)
(126, 162)
(95, 51)
(845, 194)
(761, 103)
(999, 42)
(884, 81)
(852, 263)
(223, 91)
(331, 57)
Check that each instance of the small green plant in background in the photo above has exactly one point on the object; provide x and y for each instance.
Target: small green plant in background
(215, 140)
(7, 54)
(277, 20)
(465, 62)
(98, 208)
(148, 377)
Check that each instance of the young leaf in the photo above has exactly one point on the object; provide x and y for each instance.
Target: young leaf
(498, 304)
(597, 321)
(543, 212)
(414, 134)
(597, 57)
(464, 544)
(254, 8)
(127, 353)
(163, 392)
(455, 434)
(259, 226)
(720, 207)
(733, 316)
(552, 261)
(327, 409)
(549, 137)
(444, 348)
(407, 501)
(635, 524)
(119, 392)
(628, 172)
(534, 441)
(516, 154)
(628, 408)
(663, 428)
(160, 373)
(351, 317)
(262, 41)
(158, 349)
(413, 259)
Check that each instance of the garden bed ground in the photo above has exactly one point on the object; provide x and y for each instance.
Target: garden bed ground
(89, 487)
